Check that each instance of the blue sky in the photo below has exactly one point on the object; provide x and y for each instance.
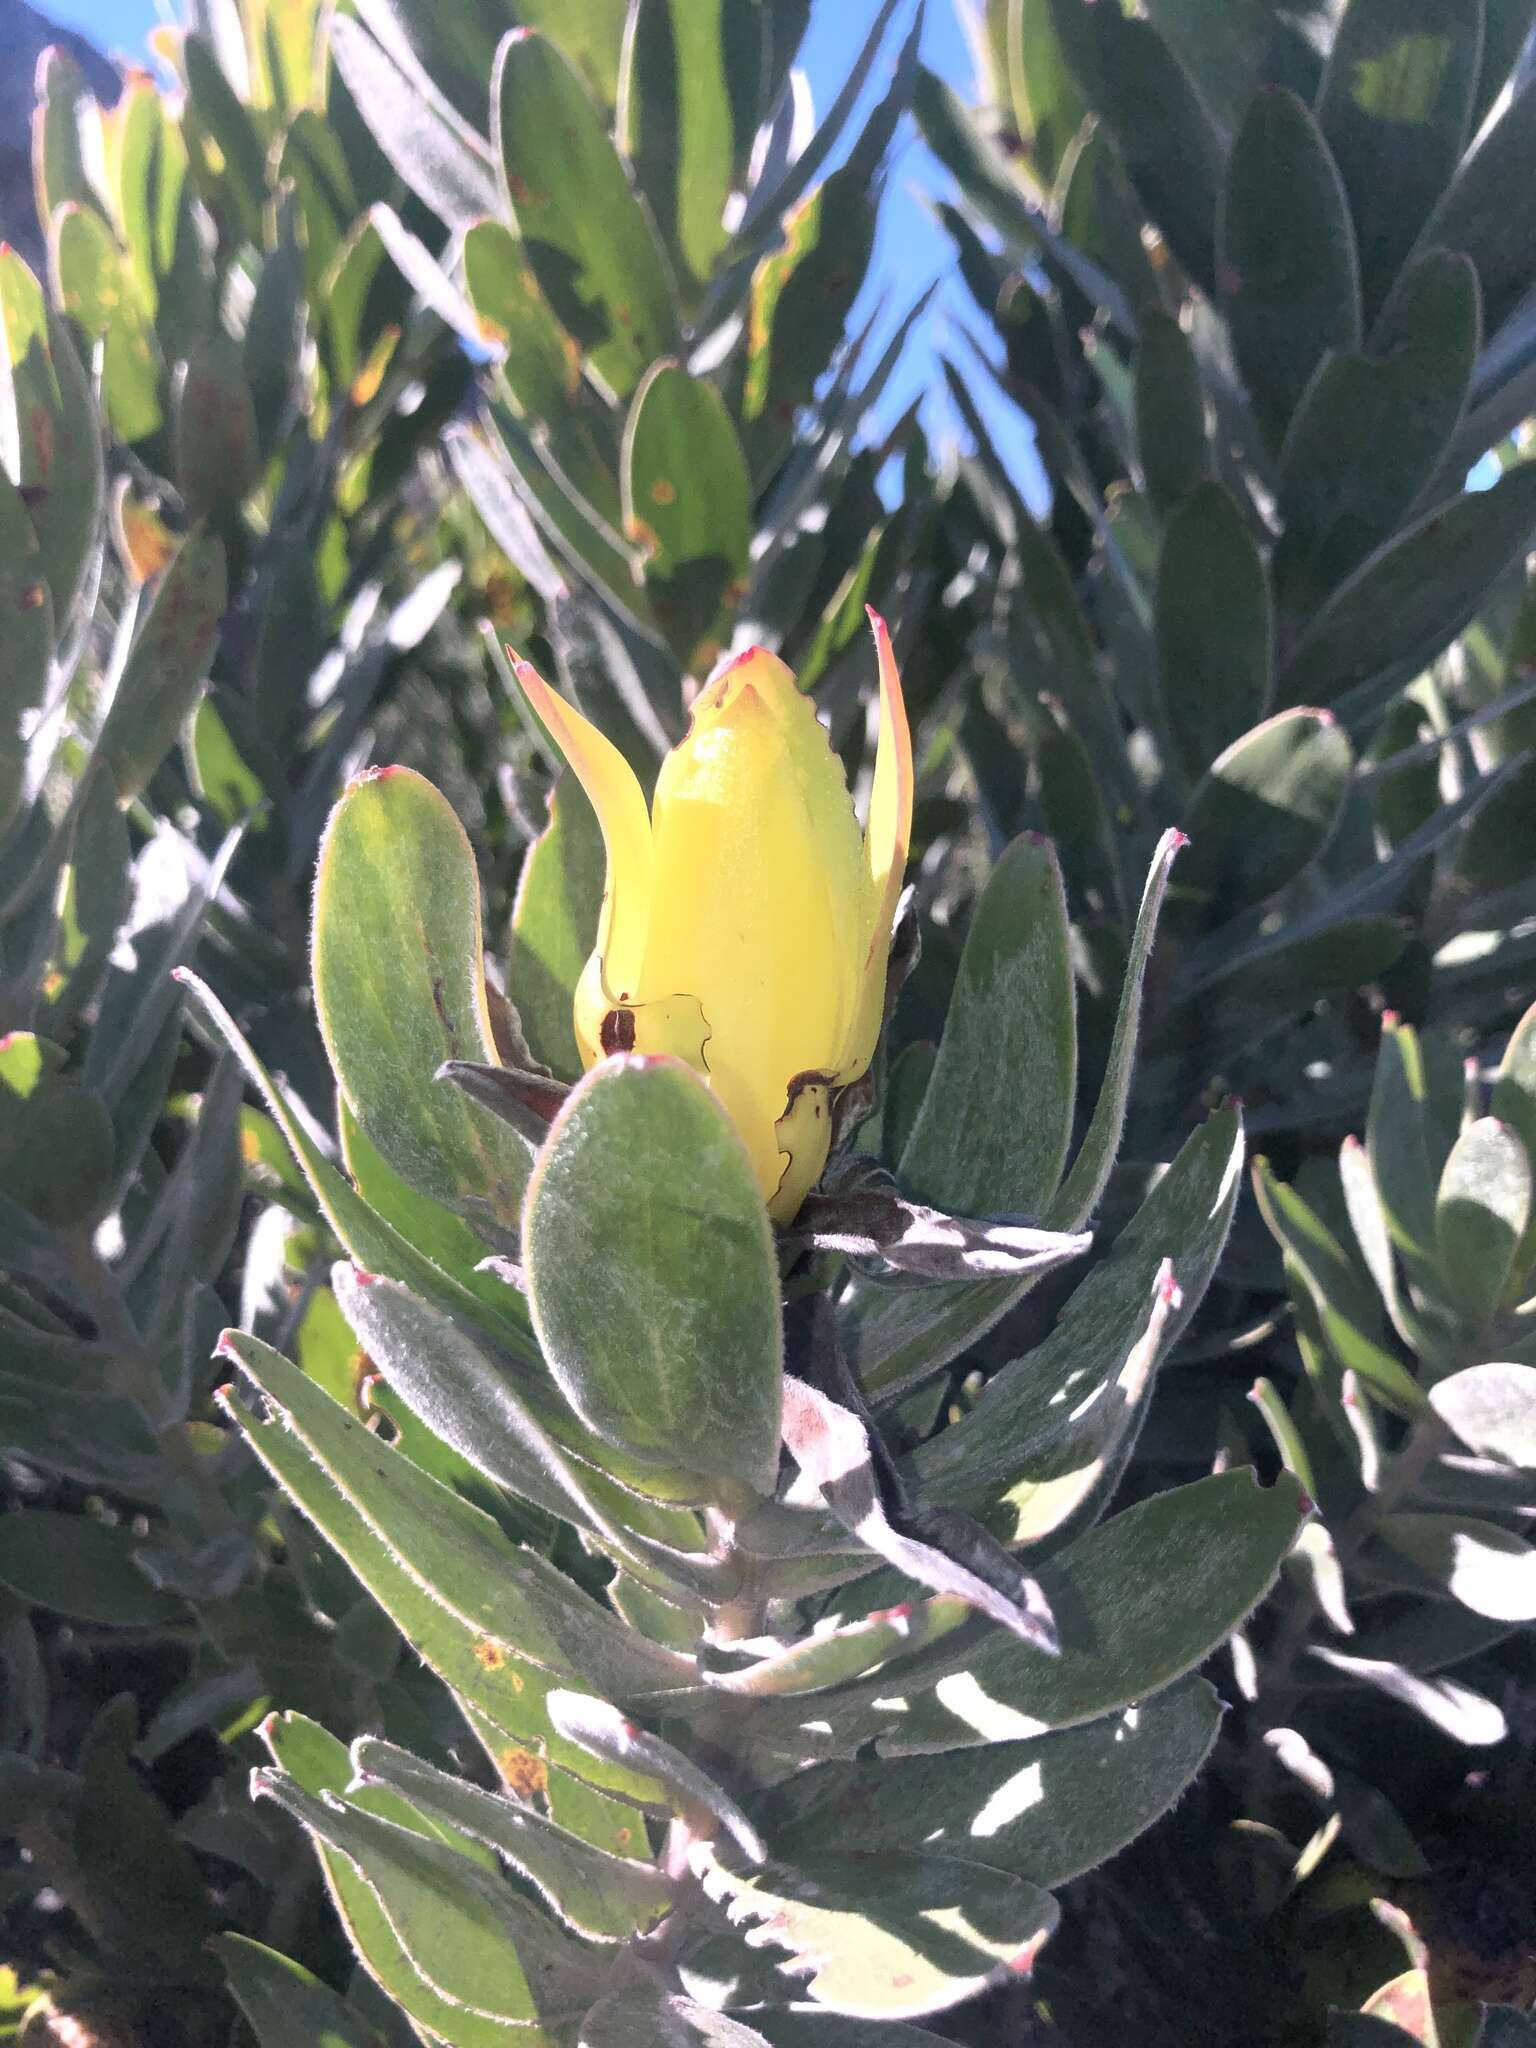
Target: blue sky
(912, 249)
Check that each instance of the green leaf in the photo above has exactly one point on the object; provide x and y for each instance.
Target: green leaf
(504, 1697)
(470, 1937)
(802, 295)
(474, 1402)
(1262, 813)
(50, 442)
(1395, 107)
(1482, 1215)
(1348, 1314)
(1398, 1141)
(1171, 442)
(1514, 1102)
(1479, 1564)
(589, 32)
(159, 227)
(66, 134)
(603, 1897)
(149, 1897)
(1492, 1409)
(991, 1137)
(80, 1568)
(1288, 267)
(588, 238)
(26, 604)
(400, 988)
(1405, 604)
(375, 1243)
(284, 2005)
(554, 926)
(319, 1766)
(1371, 430)
(56, 1147)
(882, 1939)
(644, 2014)
(1047, 1808)
(897, 1337)
(543, 366)
(672, 1782)
(1474, 217)
(1223, 49)
(1165, 137)
(687, 507)
(213, 108)
(431, 148)
(102, 1440)
(167, 664)
(503, 1600)
(1053, 1428)
(98, 291)
(1139, 1601)
(213, 427)
(1047, 108)
(218, 771)
(679, 124)
(1215, 633)
(671, 1350)
(275, 331)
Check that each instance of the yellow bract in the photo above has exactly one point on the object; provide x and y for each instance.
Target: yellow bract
(746, 921)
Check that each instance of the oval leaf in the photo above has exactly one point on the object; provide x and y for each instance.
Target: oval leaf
(667, 1342)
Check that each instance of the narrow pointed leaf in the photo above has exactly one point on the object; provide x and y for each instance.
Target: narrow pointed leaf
(991, 1137)
(605, 1898)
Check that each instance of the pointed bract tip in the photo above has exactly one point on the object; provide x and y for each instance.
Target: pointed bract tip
(225, 1348)
(1391, 1020)
(1177, 840)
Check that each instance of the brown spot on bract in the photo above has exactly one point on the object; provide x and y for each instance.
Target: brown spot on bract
(623, 1836)
(30, 596)
(617, 1033)
(490, 1656)
(525, 1775)
(663, 491)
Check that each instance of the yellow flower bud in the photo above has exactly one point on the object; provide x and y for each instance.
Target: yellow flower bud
(746, 921)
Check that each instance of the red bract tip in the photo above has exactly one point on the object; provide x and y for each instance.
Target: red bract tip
(1177, 841)
(363, 1277)
(1391, 1020)
(1308, 1504)
(739, 660)
(225, 1348)
(1169, 1292)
